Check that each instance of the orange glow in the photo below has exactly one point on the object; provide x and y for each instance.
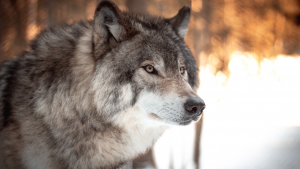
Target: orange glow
(196, 5)
(32, 30)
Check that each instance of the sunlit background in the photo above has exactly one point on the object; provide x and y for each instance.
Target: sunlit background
(248, 53)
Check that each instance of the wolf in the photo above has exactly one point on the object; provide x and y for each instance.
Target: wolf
(99, 93)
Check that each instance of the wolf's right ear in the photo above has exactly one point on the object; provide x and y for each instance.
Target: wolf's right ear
(180, 22)
(108, 24)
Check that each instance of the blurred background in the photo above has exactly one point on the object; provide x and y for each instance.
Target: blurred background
(248, 55)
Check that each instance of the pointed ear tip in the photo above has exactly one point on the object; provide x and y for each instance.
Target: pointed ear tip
(185, 9)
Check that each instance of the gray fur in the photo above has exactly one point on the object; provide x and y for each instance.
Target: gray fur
(73, 100)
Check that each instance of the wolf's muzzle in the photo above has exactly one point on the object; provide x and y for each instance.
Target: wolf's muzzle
(194, 106)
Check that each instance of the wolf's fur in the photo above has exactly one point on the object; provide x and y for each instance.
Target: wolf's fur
(81, 97)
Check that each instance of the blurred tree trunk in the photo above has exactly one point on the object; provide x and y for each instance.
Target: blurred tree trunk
(42, 20)
(14, 17)
(21, 9)
(52, 13)
(3, 29)
(197, 150)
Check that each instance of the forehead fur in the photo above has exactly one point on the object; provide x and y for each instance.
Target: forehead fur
(144, 23)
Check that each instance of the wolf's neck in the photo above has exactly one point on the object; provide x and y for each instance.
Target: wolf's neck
(128, 144)
(135, 138)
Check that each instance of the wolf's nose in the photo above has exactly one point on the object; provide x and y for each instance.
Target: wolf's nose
(194, 105)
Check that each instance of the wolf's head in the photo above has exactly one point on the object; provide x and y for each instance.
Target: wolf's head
(143, 66)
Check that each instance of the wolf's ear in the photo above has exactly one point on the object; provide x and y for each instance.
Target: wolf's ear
(180, 22)
(108, 24)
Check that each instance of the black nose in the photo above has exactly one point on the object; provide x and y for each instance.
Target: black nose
(194, 105)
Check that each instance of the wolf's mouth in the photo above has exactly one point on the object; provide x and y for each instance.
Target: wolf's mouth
(196, 118)
(185, 122)
(189, 120)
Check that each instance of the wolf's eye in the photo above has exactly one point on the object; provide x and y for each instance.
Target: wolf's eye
(182, 70)
(149, 69)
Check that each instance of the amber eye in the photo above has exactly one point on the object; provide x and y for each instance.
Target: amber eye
(182, 70)
(149, 69)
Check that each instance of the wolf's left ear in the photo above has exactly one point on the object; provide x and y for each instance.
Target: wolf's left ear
(180, 22)
(109, 24)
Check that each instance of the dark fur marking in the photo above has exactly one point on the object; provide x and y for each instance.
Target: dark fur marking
(10, 72)
(136, 91)
(125, 77)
